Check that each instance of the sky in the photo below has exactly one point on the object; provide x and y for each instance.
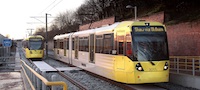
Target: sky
(16, 17)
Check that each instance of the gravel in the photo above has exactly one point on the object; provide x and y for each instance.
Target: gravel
(91, 82)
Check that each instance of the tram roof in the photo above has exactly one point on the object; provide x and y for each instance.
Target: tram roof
(62, 36)
(108, 28)
(103, 28)
(34, 36)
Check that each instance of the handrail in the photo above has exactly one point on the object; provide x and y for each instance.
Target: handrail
(29, 81)
(185, 63)
(186, 57)
(44, 80)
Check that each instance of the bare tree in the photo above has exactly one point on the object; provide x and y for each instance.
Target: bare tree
(53, 31)
(40, 31)
(65, 20)
(93, 10)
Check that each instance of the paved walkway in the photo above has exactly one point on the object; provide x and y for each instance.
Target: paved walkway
(17, 60)
(11, 81)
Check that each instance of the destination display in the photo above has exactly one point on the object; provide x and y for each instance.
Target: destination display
(148, 29)
(35, 39)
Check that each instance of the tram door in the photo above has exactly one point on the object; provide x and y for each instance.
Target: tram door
(91, 48)
(65, 46)
(121, 49)
(76, 47)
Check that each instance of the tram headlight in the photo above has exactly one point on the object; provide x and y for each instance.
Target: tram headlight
(166, 66)
(139, 67)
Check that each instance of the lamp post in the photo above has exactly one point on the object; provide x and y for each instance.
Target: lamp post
(47, 36)
(135, 10)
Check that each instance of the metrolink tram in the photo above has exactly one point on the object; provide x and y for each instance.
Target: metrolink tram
(33, 47)
(131, 52)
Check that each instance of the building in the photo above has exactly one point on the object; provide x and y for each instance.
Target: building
(1, 39)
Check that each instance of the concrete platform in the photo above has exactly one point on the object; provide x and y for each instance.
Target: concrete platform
(68, 68)
(11, 81)
(43, 66)
(185, 80)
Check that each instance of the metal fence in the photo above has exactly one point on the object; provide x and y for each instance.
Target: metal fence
(5, 51)
(185, 65)
(7, 59)
(37, 81)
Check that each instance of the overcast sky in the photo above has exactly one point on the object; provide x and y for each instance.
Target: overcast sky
(16, 14)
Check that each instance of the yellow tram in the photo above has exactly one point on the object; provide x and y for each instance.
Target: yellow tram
(131, 52)
(33, 47)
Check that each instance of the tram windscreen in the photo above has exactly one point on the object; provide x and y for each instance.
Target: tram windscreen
(150, 45)
(35, 44)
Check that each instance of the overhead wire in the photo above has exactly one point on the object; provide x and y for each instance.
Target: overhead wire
(48, 6)
(44, 11)
(55, 5)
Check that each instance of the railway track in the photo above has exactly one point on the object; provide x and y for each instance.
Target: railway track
(76, 83)
(114, 83)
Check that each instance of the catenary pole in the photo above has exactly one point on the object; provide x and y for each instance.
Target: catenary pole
(46, 37)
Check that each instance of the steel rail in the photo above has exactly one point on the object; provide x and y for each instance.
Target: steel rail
(121, 85)
(73, 81)
(79, 85)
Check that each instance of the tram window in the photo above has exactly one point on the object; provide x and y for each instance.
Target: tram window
(108, 43)
(76, 47)
(99, 44)
(128, 49)
(86, 41)
(120, 39)
(121, 45)
(61, 45)
(72, 43)
(55, 44)
(83, 44)
(80, 44)
(25, 44)
(67, 43)
(64, 45)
